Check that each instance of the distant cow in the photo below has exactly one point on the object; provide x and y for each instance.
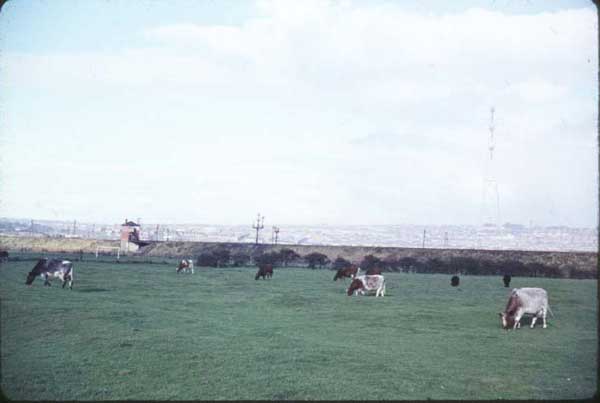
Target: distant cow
(532, 301)
(3, 256)
(186, 266)
(373, 271)
(363, 284)
(265, 271)
(506, 280)
(62, 269)
(454, 281)
(348, 271)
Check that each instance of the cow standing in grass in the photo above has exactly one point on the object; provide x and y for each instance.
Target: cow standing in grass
(186, 266)
(61, 269)
(506, 279)
(532, 301)
(454, 281)
(349, 271)
(265, 271)
(364, 284)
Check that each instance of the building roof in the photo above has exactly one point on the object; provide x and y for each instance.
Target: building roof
(130, 224)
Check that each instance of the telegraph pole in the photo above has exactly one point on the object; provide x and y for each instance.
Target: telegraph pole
(276, 229)
(259, 225)
(74, 227)
(424, 231)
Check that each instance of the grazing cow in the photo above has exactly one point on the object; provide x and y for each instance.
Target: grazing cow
(3, 256)
(62, 269)
(373, 271)
(506, 280)
(348, 271)
(532, 301)
(365, 283)
(186, 265)
(264, 271)
(454, 281)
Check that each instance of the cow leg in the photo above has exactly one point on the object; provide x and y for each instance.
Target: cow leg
(533, 320)
(46, 282)
(518, 316)
(544, 318)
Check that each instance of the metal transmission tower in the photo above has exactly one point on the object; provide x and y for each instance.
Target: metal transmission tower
(275, 235)
(490, 202)
(259, 225)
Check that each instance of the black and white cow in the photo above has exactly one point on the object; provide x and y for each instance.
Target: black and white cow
(532, 301)
(363, 284)
(53, 268)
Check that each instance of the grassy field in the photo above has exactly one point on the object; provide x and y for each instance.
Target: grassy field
(139, 331)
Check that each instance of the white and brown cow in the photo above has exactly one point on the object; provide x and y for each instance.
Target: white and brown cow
(53, 268)
(186, 265)
(531, 301)
(365, 283)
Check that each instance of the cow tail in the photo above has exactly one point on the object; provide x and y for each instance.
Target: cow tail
(550, 310)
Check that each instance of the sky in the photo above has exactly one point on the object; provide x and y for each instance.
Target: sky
(312, 112)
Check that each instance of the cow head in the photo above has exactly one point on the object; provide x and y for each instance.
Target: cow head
(30, 277)
(507, 321)
(355, 285)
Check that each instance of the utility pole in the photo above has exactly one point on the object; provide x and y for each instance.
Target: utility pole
(276, 229)
(445, 239)
(259, 225)
(32, 231)
(424, 231)
(156, 234)
(74, 227)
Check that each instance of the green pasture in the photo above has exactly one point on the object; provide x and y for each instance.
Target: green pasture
(139, 331)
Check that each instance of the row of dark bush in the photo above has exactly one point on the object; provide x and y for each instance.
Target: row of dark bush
(454, 265)
(222, 257)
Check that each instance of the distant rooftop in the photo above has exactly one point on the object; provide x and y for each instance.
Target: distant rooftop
(130, 224)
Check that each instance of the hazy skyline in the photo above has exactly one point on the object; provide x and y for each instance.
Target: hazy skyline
(312, 112)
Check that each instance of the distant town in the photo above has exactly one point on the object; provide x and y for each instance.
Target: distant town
(507, 236)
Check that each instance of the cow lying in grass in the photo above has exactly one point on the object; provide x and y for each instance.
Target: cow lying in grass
(186, 266)
(56, 268)
(531, 301)
(265, 271)
(348, 271)
(365, 284)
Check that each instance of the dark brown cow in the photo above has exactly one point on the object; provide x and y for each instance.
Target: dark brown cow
(454, 281)
(349, 271)
(506, 280)
(265, 271)
(3, 256)
(373, 271)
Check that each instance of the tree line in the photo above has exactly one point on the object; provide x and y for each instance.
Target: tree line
(455, 265)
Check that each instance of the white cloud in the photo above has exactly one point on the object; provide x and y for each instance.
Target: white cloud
(371, 96)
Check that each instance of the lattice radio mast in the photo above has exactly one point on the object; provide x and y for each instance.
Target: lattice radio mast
(490, 205)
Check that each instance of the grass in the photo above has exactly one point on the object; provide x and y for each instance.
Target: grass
(136, 331)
